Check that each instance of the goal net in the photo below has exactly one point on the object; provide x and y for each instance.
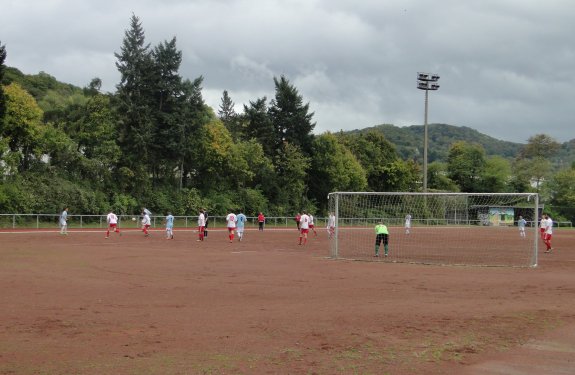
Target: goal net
(437, 228)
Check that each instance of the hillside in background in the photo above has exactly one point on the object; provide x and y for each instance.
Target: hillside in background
(409, 140)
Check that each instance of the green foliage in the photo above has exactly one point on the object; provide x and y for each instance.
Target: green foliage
(562, 191)
(437, 178)
(291, 119)
(375, 153)
(333, 168)
(22, 127)
(540, 146)
(400, 175)
(259, 126)
(2, 97)
(494, 178)
(292, 166)
(36, 193)
(465, 165)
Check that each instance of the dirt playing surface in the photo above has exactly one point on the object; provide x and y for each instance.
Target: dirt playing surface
(133, 305)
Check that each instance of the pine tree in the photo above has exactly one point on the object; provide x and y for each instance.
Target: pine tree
(2, 97)
(229, 117)
(259, 126)
(290, 117)
(167, 109)
(135, 99)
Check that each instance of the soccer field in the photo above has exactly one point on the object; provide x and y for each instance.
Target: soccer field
(135, 305)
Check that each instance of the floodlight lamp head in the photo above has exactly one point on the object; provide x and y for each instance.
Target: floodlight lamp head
(423, 76)
(422, 86)
(434, 87)
(434, 77)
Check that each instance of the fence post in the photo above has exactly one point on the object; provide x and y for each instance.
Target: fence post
(37, 221)
(13, 221)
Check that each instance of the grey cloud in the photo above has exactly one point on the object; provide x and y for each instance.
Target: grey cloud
(505, 65)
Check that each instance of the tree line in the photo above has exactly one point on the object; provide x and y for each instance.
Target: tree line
(155, 143)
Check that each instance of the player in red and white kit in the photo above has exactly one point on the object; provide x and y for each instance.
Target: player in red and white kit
(146, 222)
(201, 226)
(548, 233)
(231, 219)
(304, 227)
(112, 221)
(312, 225)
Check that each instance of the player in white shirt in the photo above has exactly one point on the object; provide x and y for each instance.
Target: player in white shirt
(146, 222)
(542, 226)
(312, 225)
(548, 233)
(169, 226)
(521, 223)
(303, 227)
(407, 223)
(201, 225)
(331, 225)
(63, 221)
(112, 221)
(231, 220)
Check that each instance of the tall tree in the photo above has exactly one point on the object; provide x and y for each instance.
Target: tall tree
(195, 116)
(534, 160)
(167, 108)
(23, 127)
(258, 125)
(95, 134)
(135, 99)
(291, 118)
(292, 166)
(2, 97)
(540, 146)
(228, 115)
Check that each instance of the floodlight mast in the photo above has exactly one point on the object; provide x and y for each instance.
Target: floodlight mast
(426, 81)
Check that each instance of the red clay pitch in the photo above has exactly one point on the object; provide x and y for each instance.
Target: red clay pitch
(134, 305)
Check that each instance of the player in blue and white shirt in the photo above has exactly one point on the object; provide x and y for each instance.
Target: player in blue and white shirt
(240, 223)
(521, 224)
(170, 226)
(63, 221)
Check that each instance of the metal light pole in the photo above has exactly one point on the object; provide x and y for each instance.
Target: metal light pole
(426, 81)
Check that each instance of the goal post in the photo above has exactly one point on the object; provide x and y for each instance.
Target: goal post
(479, 229)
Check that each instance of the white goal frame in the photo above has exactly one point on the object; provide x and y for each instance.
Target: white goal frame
(475, 229)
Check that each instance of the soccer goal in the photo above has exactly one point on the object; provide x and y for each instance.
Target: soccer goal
(437, 228)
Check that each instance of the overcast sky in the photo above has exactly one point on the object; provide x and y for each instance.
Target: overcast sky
(507, 67)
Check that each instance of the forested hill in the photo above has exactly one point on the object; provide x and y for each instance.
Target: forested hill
(409, 140)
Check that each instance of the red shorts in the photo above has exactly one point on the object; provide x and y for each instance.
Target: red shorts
(231, 229)
(112, 225)
(547, 237)
(304, 231)
(201, 229)
(311, 226)
(146, 226)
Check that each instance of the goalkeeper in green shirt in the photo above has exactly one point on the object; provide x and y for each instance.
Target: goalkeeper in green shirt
(381, 235)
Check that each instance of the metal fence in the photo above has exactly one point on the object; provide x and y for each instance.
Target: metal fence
(46, 221)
